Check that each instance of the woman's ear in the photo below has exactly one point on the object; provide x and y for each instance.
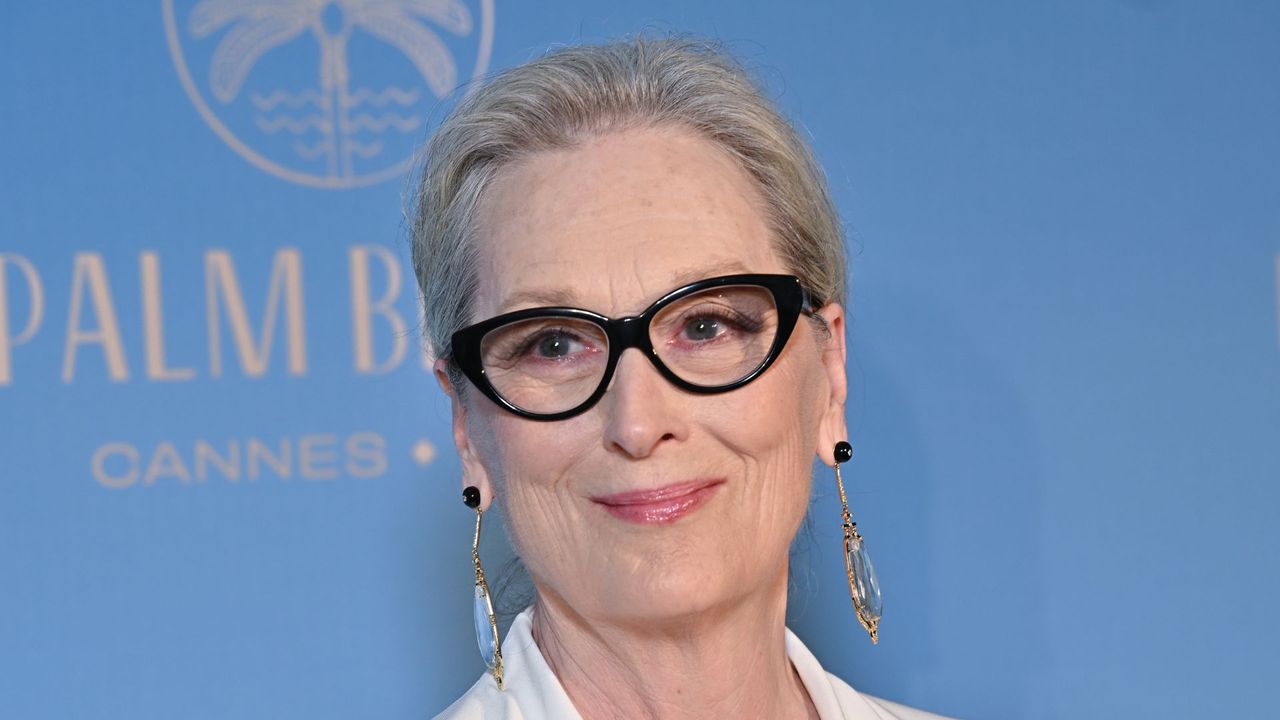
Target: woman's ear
(473, 471)
(832, 428)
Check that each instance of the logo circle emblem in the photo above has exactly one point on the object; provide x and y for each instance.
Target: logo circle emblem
(326, 93)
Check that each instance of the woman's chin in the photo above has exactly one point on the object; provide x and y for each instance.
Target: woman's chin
(670, 598)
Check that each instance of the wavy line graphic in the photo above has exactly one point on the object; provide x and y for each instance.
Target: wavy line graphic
(267, 103)
(364, 121)
(399, 96)
(311, 152)
(292, 125)
(362, 150)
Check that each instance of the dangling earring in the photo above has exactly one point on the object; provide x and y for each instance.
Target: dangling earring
(863, 586)
(486, 623)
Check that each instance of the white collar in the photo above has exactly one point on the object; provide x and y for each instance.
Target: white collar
(532, 691)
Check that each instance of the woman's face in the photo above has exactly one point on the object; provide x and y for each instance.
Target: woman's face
(610, 226)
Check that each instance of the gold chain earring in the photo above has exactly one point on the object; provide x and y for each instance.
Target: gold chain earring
(482, 609)
(864, 588)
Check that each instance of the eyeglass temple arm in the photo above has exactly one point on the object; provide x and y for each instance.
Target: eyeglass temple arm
(808, 303)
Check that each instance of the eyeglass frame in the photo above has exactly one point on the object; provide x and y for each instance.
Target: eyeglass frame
(790, 299)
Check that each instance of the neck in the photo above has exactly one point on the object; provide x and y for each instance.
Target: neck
(729, 662)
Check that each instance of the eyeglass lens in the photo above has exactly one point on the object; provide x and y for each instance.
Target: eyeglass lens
(710, 338)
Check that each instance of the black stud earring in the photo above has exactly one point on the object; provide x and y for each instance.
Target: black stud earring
(864, 588)
(471, 496)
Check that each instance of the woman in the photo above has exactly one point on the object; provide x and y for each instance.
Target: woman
(634, 279)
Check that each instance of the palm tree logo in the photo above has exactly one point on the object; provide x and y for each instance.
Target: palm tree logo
(280, 75)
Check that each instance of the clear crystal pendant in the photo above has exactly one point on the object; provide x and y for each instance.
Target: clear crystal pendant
(486, 638)
(863, 585)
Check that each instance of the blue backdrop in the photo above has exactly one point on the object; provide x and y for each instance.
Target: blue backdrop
(227, 488)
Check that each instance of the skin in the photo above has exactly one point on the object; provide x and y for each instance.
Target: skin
(642, 621)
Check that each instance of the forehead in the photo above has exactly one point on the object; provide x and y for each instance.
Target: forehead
(612, 224)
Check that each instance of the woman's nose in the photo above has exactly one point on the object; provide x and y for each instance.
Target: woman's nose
(642, 410)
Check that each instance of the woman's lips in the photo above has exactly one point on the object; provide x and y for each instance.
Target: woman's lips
(659, 505)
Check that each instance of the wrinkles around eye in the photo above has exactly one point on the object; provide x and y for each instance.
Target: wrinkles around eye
(525, 348)
(730, 321)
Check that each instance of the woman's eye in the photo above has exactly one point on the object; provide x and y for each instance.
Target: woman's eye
(703, 329)
(556, 345)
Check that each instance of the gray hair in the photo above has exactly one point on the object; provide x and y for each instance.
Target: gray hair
(579, 92)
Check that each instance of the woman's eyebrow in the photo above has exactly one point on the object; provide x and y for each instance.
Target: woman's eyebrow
(562, 297)
(535, 297)
(702, 272)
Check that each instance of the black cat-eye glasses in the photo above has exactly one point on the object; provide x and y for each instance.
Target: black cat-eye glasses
(710, 336)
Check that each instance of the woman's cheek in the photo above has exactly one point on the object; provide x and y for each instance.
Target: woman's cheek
(779, 442)
(533, 522)
(539, 506)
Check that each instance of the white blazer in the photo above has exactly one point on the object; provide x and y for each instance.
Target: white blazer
(533, 692)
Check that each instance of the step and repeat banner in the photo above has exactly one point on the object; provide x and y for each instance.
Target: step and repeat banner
(227, 483)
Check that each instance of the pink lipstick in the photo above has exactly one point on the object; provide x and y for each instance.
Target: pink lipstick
(659, 505)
